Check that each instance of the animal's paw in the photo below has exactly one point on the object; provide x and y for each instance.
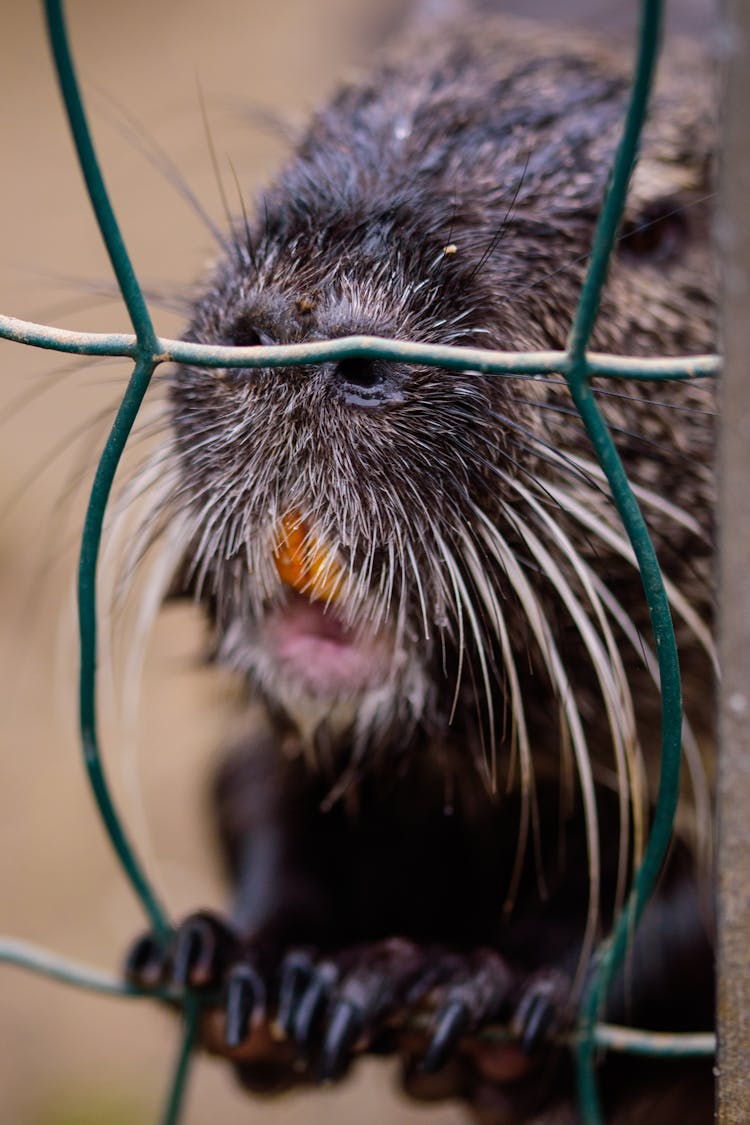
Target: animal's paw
(302, 1016)
(372, 997)
(332, 1007)
(329, 1008)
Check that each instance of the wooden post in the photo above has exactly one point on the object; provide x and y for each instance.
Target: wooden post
(733, 230)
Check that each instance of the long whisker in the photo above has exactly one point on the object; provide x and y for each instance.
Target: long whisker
(557, 456)
(561, 685)
(610, 674)
(480, 649)
(497, 236)
(139, 138)
(691, 749)
(619, 542)
(214, 162)
(651, 498)
(633, 435)
(520, 743)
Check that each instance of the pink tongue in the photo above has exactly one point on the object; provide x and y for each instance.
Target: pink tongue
(312, 620)
(313, 648)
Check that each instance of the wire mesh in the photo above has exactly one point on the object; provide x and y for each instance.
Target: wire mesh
(576, 364)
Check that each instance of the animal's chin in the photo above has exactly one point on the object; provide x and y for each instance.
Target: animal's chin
(312, 649)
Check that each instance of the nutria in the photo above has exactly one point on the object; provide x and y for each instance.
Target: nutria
(422, 578)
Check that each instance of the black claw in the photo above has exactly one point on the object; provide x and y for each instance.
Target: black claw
(145, 964)
(312, 1006)
(452, 1022)
(521, 1013)
(193, 956)
(538, 1019)
(296, 976)
(539, 1009)
(343, 1032)
(245, 1003)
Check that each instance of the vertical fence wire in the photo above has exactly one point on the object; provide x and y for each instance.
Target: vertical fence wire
(613, 950)
(107, 466)
(178, 1085)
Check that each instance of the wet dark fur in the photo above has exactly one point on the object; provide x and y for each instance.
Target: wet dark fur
(495, 142)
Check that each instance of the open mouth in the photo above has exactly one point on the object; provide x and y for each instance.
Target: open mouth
(305, 636)
(311, 647)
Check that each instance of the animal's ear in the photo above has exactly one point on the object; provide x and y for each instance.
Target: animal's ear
(669, 206)
(670, 194)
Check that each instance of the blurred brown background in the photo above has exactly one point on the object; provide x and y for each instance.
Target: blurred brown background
(67, 1057)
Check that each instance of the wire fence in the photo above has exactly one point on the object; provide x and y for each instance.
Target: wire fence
(576, 364)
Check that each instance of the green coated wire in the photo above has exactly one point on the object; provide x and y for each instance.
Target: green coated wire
(612, 952)
(176, 1095)
(351, 347)
(628, 1040)
(105, 472)
(614, 200)
(90, 542)
(24, 955)
(105, 216)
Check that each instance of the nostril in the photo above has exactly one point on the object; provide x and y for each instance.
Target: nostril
(367, 382)
(363, 374)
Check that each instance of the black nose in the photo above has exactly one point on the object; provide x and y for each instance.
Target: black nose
(367, 382)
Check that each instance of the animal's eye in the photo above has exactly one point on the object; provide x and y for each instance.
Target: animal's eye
(658, 235)
(244, 334)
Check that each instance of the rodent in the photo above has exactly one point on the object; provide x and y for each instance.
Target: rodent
(421, 576)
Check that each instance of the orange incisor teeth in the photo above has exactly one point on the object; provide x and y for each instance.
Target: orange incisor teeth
(304, 563)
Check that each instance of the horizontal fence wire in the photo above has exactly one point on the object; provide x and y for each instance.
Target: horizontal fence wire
(576, 365)
(482, 360)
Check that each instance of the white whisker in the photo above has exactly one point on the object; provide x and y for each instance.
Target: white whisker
(519, 731)
(562, 688)
(619, 542)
